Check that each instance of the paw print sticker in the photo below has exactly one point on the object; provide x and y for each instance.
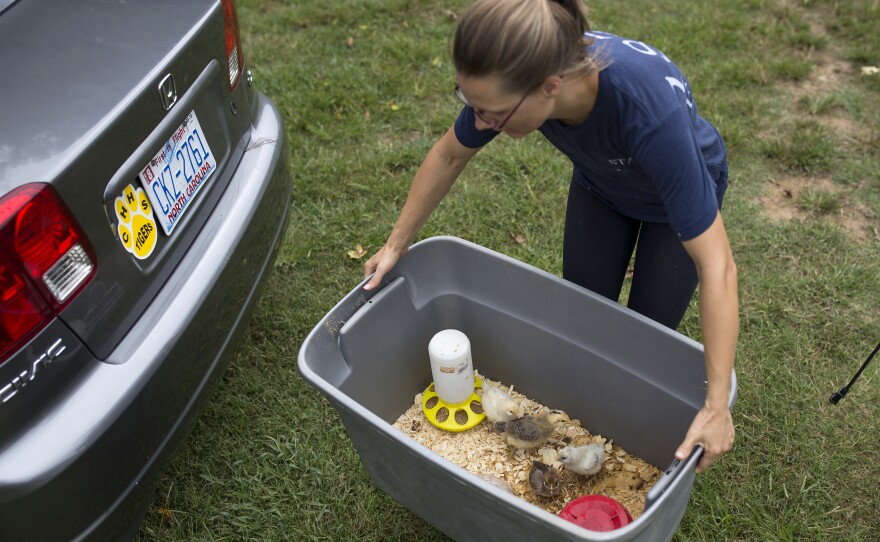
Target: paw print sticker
(136, 227)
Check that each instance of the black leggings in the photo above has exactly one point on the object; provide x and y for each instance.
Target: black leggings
(598, 245)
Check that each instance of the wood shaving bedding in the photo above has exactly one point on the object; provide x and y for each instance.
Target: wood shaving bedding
(484, 452)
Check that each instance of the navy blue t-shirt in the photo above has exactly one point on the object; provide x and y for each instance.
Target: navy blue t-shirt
(644, 149)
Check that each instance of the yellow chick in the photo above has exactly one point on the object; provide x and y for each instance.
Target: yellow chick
(544, 480)
(498, 405)
(532, 431)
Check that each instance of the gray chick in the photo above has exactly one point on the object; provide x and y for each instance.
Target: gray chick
(586, 460)
(531, 431)
(544, 480)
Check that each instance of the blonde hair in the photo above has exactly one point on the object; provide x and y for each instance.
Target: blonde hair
(523, 41)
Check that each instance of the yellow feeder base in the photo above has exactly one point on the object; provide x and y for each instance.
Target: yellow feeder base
(458, 417)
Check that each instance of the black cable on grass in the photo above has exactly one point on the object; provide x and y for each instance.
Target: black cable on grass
(841, 393)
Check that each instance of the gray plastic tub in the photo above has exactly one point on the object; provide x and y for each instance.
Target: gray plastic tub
(624, 376)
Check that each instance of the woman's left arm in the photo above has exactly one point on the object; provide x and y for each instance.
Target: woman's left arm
(719, 318)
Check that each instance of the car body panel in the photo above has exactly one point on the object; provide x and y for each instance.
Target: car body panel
(63, 56)
(102, 78)
(94, 405)
(98, 432)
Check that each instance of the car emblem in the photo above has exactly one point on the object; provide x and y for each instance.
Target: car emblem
(167, 92)
(39, 364)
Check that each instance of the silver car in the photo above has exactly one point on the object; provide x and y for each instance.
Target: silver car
(144, 192)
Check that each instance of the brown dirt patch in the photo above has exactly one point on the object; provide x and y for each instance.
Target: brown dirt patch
(830, 74)
(781, 204)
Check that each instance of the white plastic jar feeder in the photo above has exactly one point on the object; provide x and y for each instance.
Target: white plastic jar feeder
(450, 402)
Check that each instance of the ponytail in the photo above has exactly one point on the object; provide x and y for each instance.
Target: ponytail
(578, 11)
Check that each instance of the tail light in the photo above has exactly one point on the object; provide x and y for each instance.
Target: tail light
(234, 58)
(44, 260)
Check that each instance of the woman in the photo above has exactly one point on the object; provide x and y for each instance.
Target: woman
(649, 172)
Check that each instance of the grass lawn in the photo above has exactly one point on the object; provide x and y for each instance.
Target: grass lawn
(365, 88)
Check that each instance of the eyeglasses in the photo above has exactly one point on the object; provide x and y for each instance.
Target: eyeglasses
(492, 124)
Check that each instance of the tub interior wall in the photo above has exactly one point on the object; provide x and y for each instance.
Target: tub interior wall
(384, 364)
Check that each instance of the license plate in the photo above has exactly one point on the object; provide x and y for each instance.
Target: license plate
(177, 172)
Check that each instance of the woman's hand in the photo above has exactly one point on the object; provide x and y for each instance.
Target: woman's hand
(712, 428)
(379, 264)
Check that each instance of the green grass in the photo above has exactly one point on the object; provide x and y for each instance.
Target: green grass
(269, 459)
(818, 201)
(806, 147)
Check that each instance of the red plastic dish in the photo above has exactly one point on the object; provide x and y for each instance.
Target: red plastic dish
(596, 513)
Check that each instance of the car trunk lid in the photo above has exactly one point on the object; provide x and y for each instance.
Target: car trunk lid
(127, 80)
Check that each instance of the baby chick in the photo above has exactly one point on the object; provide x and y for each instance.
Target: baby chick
(498, 405)
(532, 431)
(544, 480)
(586, 460)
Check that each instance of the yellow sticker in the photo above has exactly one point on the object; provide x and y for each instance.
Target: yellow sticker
(130, 199)
(144, 203)
(125, 237)
(137, 227)
(122, 212)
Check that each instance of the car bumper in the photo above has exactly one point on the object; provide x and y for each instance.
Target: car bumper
(86, 470)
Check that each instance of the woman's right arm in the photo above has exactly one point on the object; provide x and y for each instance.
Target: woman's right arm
(444, 163)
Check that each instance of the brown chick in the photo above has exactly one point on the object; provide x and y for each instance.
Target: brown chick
(544, 480)
(531, 431)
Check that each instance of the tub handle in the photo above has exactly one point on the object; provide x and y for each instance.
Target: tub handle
(673, 471)
(349, 309)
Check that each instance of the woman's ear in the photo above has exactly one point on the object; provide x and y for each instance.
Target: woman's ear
(552, 86)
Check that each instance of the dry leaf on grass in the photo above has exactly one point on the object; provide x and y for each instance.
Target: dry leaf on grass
(166, 513)
(357, 253)
(517, 238)
(349, 41)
